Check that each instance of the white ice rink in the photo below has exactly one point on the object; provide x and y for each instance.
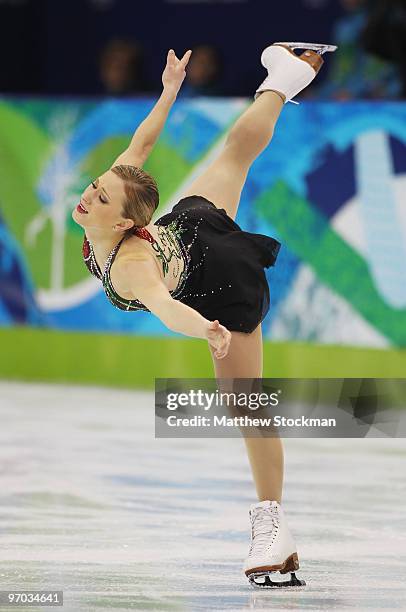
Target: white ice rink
(94, 505)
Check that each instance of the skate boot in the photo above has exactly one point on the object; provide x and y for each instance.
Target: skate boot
(289, 73)
(272, 548)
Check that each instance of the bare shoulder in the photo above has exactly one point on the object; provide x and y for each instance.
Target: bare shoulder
(134, 266)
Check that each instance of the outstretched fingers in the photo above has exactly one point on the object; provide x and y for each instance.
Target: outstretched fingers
(185, 59)
(171, 57)
(174, 61)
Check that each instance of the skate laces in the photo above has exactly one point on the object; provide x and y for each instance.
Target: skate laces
(264, 527)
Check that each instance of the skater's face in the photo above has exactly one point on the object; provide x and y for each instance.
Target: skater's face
(101, 205)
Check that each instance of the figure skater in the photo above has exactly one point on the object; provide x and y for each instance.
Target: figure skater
(196, 270)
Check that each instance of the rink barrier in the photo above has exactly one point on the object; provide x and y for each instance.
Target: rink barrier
(134, 361)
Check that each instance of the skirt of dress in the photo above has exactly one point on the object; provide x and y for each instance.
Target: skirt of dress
(224, 275)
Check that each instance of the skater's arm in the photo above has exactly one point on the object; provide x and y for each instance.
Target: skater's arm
(149, 130)
(138, 275)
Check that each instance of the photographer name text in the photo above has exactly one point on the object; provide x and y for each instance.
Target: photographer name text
(248, 421)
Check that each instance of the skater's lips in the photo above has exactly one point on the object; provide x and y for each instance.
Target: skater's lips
(81, 208)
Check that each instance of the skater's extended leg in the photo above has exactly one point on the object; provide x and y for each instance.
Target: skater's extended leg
(244, 360)
(223, 180)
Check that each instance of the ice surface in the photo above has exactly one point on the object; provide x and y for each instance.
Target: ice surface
(94, 505)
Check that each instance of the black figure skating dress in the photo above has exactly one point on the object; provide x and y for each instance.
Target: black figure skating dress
(223, 276)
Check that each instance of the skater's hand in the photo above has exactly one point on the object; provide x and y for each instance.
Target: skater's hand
(174, 73)
(219, 338)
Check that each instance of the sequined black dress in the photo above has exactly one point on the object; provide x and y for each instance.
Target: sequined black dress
(223, 275)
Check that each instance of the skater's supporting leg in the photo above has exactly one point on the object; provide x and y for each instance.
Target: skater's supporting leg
(266, 459)
(244, 360)
(223, 180)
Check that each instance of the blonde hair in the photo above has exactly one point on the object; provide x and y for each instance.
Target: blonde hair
(142, 197)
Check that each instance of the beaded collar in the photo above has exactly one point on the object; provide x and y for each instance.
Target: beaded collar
(88, 252)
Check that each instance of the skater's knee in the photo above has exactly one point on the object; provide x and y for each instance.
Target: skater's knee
(239, 135)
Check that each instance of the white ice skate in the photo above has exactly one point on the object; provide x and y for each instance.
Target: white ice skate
(272, 547)
(289, 73)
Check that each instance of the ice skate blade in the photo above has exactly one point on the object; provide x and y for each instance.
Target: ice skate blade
(320, 48)
(262, 580)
